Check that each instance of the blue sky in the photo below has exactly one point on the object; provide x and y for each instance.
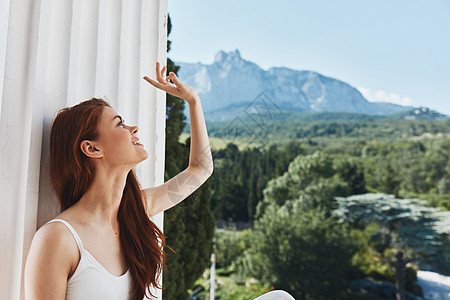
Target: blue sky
(396, 51)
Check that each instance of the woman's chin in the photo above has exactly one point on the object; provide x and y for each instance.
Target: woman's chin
(145, 155)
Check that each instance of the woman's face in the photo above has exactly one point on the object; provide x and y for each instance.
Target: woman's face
(119, 143)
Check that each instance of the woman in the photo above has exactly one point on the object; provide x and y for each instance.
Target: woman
(103, 244)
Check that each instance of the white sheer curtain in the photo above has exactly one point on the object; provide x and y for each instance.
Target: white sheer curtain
(53, 54)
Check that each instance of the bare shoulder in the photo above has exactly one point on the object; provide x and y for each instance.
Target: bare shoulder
(55, 235)
(51, 260)
(56, 241)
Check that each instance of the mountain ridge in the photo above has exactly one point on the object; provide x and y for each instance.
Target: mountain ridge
(231, 84)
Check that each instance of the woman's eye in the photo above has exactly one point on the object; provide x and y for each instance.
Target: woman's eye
(121, 123)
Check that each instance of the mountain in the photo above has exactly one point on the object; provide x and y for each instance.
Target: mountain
(419, 113)
(231, 87)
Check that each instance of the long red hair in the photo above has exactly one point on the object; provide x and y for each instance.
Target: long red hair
(72, 173)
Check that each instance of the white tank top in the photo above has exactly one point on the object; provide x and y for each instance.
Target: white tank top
(91, 281)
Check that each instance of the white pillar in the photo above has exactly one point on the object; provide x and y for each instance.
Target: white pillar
(56, 53)
(212, 278)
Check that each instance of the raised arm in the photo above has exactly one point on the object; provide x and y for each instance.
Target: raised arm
(200, 166)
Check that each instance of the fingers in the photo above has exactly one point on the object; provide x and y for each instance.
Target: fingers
(175, 80)
(155, 83)
(163, 72)
(160, 73)
(163, 82)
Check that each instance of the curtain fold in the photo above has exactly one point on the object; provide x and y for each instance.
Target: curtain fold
(53, 54)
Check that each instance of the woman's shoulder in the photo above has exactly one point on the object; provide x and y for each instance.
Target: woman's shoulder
(55, 240)
(51, 259)
(55, 237)
(53, 250)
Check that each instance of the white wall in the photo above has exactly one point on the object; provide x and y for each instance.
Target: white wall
(53, 54)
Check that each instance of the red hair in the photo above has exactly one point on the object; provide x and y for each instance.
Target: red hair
(72, 173)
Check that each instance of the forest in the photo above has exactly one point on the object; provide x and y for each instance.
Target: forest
(413, 166)
(278, 204)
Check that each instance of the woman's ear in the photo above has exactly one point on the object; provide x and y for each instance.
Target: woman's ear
(90, 149)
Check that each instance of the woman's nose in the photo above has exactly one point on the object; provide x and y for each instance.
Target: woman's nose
(133, 129)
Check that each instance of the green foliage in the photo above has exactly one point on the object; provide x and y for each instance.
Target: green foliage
(296, 244)
(373, 256)
(242, 292)
(308, 180)
(369, 257)
(240, 177)
(419, 113)
(305, 253)
(228, 288)
(325, 159)
(410, 282)
(346, 167)
(352, 173)
(436, 200)
(312, 181)
(229, 246)
(189, 230)
(338, 125)
(407, 167)
(409, 229)
(403, 168)
(444, 185)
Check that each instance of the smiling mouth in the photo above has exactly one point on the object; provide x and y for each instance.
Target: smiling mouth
(136, 143)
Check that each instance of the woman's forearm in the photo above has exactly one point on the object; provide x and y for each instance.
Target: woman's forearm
(200, 152)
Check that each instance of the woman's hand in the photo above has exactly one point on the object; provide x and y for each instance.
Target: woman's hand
(177, 88)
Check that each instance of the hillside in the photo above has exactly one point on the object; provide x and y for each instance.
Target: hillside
(232, 85)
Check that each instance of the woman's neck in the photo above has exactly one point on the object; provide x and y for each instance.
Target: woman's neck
(100, 204)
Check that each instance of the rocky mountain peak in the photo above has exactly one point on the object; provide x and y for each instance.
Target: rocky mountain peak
(231, 83)
(223, 56)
